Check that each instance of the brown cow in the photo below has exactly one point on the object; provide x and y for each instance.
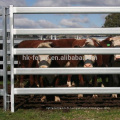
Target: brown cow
(61, 43)
(31, 62)
(87, 61)
(112, 61)
(106, 59)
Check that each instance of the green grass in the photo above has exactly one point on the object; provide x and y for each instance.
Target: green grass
(83, 114)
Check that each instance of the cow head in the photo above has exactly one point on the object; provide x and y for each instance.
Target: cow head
(115, 41)
(89, 60)
(44, 61)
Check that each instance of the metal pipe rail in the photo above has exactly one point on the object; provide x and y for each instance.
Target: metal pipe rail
(65, 71)
(1, 92)
(65, 51)
(72, 90)
(1, 52)
(4, 33)
(65, 10)
(68, 31)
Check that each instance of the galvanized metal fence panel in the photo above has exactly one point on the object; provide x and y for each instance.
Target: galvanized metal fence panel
(57, 31)
(3, 53)
(1, 71)
(5, 87)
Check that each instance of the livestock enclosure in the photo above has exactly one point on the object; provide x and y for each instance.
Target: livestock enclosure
(54, 51)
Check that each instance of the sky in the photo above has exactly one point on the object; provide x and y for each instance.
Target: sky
(59, 20)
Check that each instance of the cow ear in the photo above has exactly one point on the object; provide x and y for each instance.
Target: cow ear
(99, 60)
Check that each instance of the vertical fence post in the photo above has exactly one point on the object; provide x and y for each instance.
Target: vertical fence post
(12, 57)
(51, 37)
(5, 88)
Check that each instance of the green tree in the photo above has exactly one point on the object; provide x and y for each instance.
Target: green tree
(112, 20)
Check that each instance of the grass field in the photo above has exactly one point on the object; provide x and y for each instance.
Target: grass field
(83, 114)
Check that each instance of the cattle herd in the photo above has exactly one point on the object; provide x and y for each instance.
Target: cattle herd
(45, 61)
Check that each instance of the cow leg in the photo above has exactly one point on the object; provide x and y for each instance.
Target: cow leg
(103, 84)
(57, 99)
(31, 77)
(41, 81)
(36, 80)
(81, 83)
(43, 98)
(57, 81)
(31, 80)
(21, 81)
(94, 81)
(69, 81)
(110, 80)
(115, 84)
(17, 77)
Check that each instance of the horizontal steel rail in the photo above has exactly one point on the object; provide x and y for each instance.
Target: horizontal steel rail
(1, 92)
(72, 90)
(65, 71)
(64, 51)
(8, 30)
(8, 72)
(0, 12)
(0, 32)
(1, 52)
(66, 31)
(65, 10)
(1, 72)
